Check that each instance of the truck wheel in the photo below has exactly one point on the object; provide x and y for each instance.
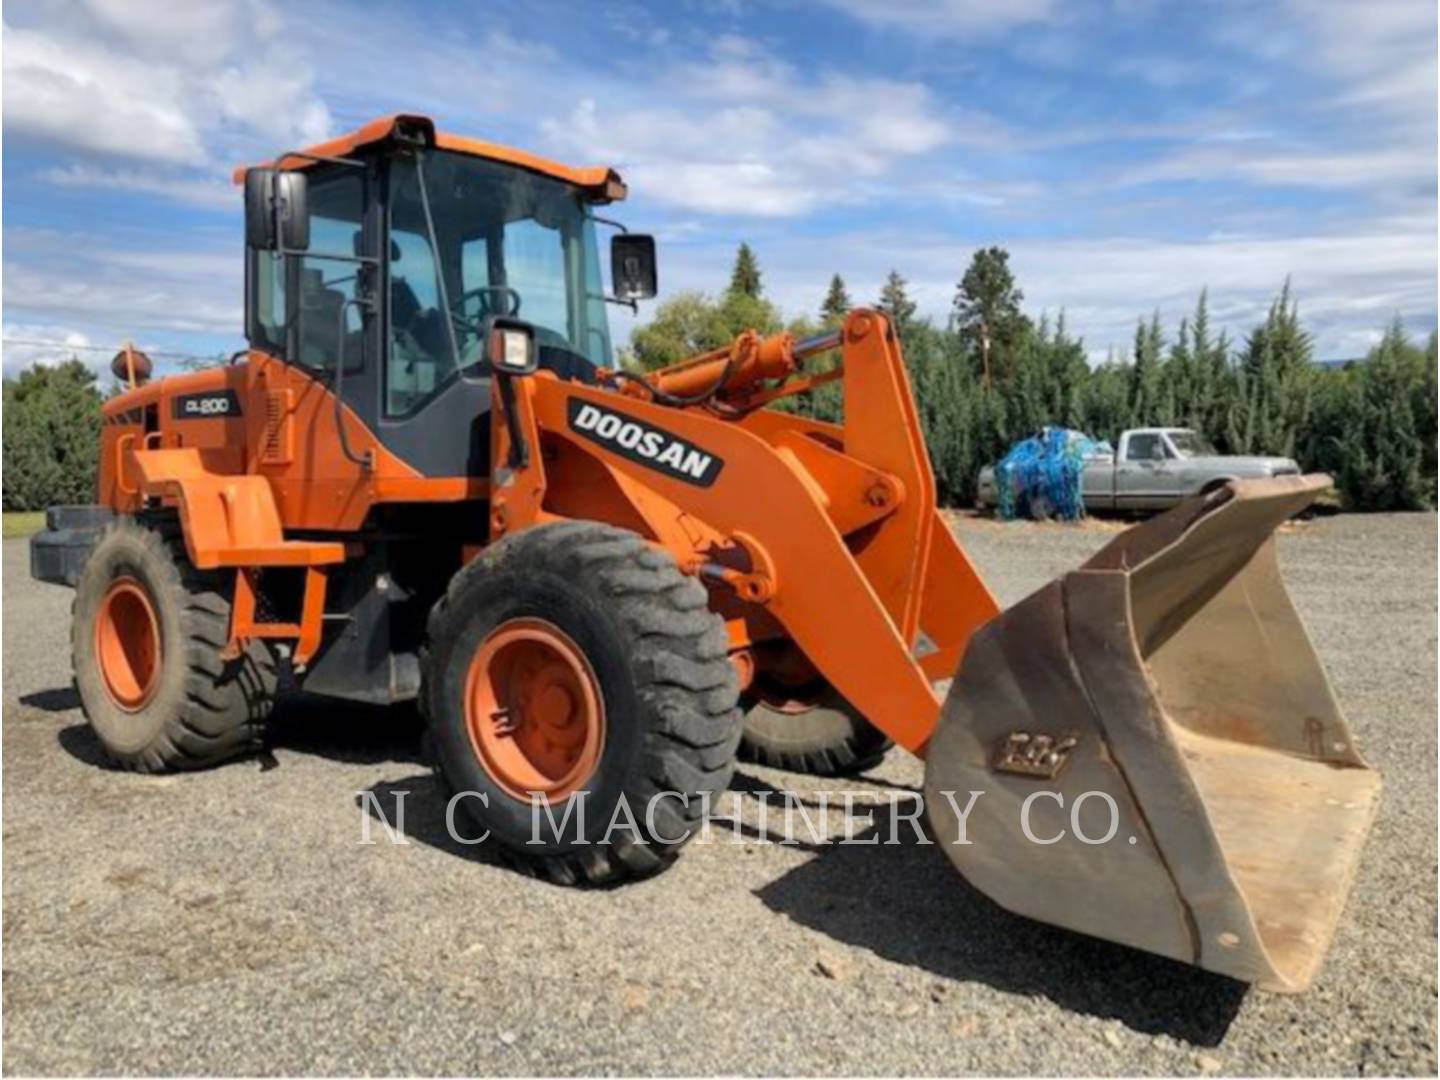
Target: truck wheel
(570, 669)
(821, 735)
(146, 633)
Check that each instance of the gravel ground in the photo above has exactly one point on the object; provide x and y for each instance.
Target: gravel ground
(231, 922)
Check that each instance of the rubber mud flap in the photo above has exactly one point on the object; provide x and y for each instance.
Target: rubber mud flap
(1162, 759)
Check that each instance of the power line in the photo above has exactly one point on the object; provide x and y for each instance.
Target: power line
(105, 348)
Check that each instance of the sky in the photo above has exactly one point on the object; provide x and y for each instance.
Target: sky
(1127, 153)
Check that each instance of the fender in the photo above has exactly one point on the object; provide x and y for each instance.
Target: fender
(228, 519)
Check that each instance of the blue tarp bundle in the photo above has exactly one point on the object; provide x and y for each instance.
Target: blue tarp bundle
(1040, 477)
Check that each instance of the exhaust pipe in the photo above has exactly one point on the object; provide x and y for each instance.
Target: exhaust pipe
(1163, 760)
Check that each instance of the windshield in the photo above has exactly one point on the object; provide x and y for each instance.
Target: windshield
(1191, 444)
(482, 239)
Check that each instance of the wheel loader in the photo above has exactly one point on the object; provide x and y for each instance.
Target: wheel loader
(427, 479)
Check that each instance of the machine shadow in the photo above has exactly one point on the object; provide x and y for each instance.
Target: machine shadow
(905, 902)
(343, 731)
(346, 731)
(79, 741)
(56, 699)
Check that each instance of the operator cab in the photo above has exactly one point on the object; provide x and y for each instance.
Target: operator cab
(379, 262)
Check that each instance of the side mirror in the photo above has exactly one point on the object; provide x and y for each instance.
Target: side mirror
(632, 266)
(510, 347)
(277, 211)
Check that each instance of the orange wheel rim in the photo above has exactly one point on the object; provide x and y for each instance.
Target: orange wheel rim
(127, 644)
(533, 710)
(792, 701)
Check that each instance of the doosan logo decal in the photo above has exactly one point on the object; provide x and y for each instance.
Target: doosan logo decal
(216, 403)
(644, 444)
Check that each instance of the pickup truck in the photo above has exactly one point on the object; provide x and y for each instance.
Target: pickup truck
(1153, 469)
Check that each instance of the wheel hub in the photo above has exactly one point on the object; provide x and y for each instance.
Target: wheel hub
(127, 644)
(533, 710)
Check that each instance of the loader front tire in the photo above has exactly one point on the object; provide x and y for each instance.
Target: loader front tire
(570, 668)
(147, 629)
(820, 734)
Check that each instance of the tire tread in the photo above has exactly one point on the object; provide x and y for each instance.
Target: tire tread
(683, 678)
(222, 707)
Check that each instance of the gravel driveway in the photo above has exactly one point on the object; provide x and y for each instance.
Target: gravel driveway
(231, 921)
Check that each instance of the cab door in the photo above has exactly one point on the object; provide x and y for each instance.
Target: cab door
(315, 310)
(431, 410)
(1143, 480)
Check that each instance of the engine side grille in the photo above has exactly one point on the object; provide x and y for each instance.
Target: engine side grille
(276, 447)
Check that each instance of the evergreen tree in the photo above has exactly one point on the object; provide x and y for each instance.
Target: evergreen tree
(987, 308)
(1066, 373)
(51, 436)
(943, 405)
(895, 302)
(1424, 408)
(1208, 402)
(836, 303)
(745, 277)
(1146, 397)
(1278, 373)
(1383, 459)
(1322, 446)
(825, 402)
(1105, 401)
(1180, 380)
(1047, 376)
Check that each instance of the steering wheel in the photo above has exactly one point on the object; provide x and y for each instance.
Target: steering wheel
(469, 327)
(486, 295)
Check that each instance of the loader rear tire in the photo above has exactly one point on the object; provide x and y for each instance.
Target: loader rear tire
(821, 736)
(147, 629)
(576, 660)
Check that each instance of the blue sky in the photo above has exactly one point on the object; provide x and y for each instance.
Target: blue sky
(1126, 152)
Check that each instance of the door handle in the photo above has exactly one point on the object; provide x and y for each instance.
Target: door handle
(366, 461)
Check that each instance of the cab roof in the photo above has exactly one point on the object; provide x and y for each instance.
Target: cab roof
(600, 183)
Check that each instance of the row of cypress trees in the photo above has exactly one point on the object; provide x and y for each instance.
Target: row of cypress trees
(992, 375)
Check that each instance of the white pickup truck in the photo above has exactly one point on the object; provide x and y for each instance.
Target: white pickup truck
(1153, 469)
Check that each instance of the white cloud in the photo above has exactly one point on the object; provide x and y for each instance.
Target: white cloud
(91, 99)
(154, 97)
(1274, 162)
(214, 192)
(1346, 281)
(156, 81)
(948, 18)
(746, 133)
(1349, 282)
(117, 292)
(19, 352)
(1382, 52)
(27, 344)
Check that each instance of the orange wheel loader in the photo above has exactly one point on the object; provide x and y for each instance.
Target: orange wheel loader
(427, 479)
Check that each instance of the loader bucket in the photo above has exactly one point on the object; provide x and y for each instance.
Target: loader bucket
(1166, 687)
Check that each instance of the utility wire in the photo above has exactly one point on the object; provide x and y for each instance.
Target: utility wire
(62, 345)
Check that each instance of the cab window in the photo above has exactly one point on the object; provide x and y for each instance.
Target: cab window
(267, 301)
(535, 269)
(1147, 448)
(419, 361)
(327, 322)
(476, 240)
